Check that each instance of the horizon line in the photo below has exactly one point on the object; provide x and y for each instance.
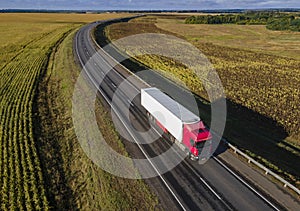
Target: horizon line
(103, 10)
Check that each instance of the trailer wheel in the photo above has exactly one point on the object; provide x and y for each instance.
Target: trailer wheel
(153, 119)
(172, 139)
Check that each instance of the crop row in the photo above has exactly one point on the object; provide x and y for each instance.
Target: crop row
(20, 169)
(21, 179)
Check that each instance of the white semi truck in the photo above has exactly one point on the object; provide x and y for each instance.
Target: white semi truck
(184, 127)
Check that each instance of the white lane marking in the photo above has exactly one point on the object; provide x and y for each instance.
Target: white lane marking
(129, 102)
(245, 183)
(201, 178)
(157, 171)
(164, 181)
(116, 72)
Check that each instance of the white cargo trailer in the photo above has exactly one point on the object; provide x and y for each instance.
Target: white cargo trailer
(172, 115)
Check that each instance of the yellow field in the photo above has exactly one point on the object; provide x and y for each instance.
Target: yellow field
(248, 37)
(26, 42)
(19, 30)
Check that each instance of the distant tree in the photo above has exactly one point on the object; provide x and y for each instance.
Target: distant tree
(278, 24)
(295, 25)
(273, 20)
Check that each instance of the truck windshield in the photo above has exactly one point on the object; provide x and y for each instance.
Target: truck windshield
(201, 130)
(200, 145)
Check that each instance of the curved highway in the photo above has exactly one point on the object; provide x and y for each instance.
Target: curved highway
(189, 186)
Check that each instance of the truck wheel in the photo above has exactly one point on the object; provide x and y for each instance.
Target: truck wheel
(188, 153)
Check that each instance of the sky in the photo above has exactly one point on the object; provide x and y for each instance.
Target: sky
(147, 4)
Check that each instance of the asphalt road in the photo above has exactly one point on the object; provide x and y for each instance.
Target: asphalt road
(189, 186)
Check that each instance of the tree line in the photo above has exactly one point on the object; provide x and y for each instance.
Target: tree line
(272, 20)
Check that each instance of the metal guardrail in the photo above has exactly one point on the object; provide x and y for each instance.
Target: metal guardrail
(234, 148)
(265, 169)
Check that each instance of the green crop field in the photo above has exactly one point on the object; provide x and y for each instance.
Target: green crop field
(42, 166)
(260, 71)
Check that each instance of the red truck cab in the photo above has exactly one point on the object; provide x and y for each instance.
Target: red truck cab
(197, 139)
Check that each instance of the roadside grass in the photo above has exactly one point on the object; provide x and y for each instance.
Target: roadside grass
(86, 186)
(262, 91)
(42, 166)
